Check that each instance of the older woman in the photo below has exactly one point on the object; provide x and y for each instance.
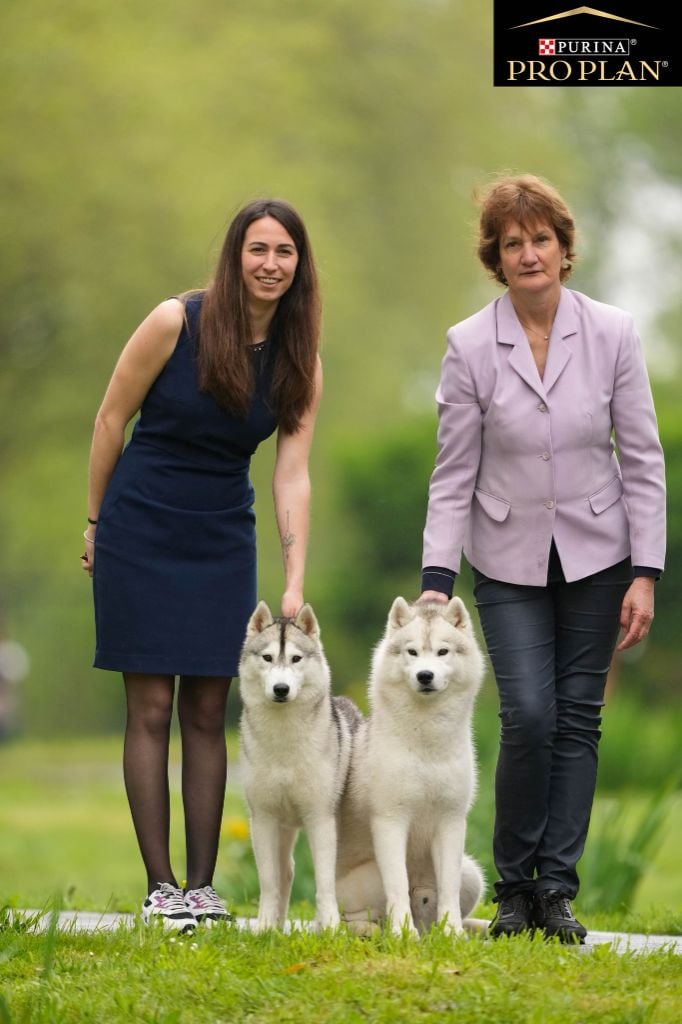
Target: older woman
(171, 541)
(563, 526)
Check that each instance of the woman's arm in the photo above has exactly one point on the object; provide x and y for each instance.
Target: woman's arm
(639, 452)
(291, 492)
(643, 470)
(453, 479)
(138, 366)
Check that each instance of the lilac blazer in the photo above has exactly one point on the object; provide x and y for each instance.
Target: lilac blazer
(522, 460)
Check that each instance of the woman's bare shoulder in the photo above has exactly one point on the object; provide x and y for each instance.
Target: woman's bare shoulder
(168, 316)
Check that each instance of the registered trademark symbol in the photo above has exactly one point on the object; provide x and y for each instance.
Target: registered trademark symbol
(633, 42)
(664, 63)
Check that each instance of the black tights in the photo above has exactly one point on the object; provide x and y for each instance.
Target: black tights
(201, 713)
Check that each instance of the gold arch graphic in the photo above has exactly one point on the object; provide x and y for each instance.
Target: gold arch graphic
(584, 10)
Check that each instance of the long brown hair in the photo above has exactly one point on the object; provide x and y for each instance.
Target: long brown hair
(527, 199)
(224, 363)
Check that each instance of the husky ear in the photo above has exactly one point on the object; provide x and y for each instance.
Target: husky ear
(260, 620)
(306, 621)
(400, 614)
(456, 613)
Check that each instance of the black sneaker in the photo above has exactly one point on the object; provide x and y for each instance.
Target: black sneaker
(514, 915)
(552, 913)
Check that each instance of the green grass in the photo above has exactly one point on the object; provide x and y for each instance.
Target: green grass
(65, 828)
(226, 975)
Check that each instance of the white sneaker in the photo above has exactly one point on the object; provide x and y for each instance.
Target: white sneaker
(206, 905)
(166, 903)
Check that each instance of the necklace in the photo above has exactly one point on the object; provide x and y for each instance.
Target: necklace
(534, 330)
(259, 346)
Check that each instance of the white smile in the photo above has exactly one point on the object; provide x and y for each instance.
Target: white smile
(268, 280)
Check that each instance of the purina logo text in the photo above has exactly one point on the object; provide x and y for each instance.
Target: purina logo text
(585, 47)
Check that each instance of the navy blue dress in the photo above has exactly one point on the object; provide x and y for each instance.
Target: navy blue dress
(175, 549)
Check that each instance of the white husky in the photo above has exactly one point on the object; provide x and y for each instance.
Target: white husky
(295, 747)
(402, 820)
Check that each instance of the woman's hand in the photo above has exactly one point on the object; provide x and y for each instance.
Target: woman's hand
(432, 595)
(637, 611)
(292, 600)
(88, 556)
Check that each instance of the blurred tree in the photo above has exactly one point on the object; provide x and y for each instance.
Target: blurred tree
(132, 133)
(382, 488)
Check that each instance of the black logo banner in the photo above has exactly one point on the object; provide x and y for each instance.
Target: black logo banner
(611, 43)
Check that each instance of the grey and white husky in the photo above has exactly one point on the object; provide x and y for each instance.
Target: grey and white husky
(402, 821)
(295, 748)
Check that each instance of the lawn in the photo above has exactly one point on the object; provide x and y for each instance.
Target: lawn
(65, 829)
(225, 975)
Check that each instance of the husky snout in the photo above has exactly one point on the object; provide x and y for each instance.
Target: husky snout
(428, 675)
(425, 680)
(283, 685)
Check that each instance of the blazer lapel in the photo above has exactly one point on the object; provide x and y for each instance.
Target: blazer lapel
(510, 332)
(565, 325)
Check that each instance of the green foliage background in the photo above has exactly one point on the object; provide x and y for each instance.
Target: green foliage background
(132, 133)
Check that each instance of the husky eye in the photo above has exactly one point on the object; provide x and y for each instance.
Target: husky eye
(295, 658)
(267, 657)
(411, 650)
(442, 651)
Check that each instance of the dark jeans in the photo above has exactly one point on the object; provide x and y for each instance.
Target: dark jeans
(550, 649)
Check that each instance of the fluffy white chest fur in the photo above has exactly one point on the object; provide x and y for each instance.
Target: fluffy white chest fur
(296, 778)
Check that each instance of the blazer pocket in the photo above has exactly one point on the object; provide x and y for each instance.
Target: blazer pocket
(606, 496)
(496, 508)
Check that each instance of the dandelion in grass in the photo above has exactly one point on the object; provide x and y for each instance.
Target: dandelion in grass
(236, 827)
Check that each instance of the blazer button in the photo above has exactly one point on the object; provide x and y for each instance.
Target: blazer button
(546, 456)
(549, 504)
(542, 407)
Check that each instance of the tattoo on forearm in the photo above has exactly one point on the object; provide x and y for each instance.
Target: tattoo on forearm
(288, 540)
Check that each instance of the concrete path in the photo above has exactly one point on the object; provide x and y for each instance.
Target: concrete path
(89, 921)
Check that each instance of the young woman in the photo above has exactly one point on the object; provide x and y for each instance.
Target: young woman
(170, 540)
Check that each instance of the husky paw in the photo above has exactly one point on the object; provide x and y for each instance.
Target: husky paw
(403, 926)
(451, 924)
(452, 929)
(330, 919)
(476, 924)
(264, 924)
